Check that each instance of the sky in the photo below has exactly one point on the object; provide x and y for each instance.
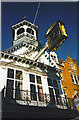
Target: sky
(49, 12)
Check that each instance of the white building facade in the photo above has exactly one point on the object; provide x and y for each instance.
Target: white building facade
(24, 79)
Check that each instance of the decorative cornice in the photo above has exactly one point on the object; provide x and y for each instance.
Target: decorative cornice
(24, 22)
(18, 46)
(27, 61)
(24, 68)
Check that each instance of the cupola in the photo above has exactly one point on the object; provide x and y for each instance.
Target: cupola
(25, 31)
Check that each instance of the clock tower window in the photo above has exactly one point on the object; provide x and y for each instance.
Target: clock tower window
(29, 30)
(21, 30)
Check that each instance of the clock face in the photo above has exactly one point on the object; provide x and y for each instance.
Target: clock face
(54, 37)
(56, 33)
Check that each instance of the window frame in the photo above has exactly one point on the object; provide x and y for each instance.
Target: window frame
(14, 79)
(20, 31)
(55, 83)
(36, 85)
(54, 89)
(21, 77)
(76, 79)
(9, 73)
(31, 31)
(49, 82)
(31, 78)
(72, 78)
(37, 77)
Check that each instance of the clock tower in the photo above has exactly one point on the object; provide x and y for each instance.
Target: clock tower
(25, 43)
(25, 31)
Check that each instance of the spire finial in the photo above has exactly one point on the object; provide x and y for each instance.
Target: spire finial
(68, 55)
(24, 17)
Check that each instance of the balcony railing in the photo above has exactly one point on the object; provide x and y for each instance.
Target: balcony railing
(21, 35)
(25, 97)
(27, 34)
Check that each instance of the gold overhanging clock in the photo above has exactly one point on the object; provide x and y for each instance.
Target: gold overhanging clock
(56, 35)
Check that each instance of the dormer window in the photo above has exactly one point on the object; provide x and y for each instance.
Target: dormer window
(21, 30)
(29, 30)
(72, 66)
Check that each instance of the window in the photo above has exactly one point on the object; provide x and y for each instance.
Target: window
(10, 73)
(72, 66)
(36, 89)
(52, 97)
(57, 92)
(72, 78)
(19, 75)
(29, 30)
(49, 82)
(10, 83)
(18, 87)
(32, 78)
(60, 87)
(9, 88)
(38, 79)
(40, 93)
(36, 85)
(33, 92)
(57, 95)
(21, 30)
(14, 81)
(76, 79)
(55, 83)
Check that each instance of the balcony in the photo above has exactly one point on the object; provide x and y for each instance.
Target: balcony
(21, 35)
(28, 98)
(30, 35)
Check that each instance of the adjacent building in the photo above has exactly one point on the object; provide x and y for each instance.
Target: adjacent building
(70, 80)
(70, 77)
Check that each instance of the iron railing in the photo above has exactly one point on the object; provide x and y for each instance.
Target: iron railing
(25, 97)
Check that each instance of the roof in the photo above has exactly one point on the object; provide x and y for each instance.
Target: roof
(24, 22)
(14, 48)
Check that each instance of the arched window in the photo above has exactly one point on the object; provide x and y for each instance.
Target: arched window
(29, 30)
(21, 30)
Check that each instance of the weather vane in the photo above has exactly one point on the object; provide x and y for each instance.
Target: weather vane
(24, 17)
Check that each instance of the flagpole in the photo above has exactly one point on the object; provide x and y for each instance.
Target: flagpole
(36, 13)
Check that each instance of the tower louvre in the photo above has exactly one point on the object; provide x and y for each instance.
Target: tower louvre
(25, 31)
